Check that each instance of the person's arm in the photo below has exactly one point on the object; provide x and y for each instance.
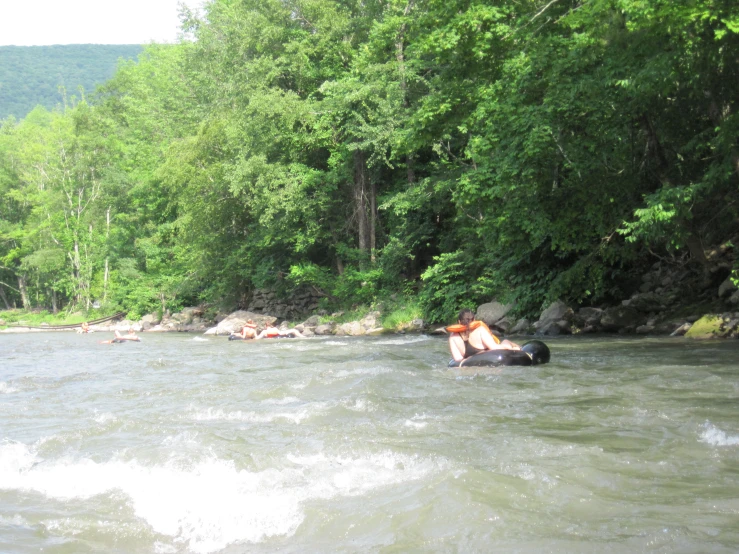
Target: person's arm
(456, 346)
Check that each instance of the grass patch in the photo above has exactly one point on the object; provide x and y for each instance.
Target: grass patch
(401, 317)
(36, 318)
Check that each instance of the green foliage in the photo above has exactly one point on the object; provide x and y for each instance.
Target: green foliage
(446, 287)
(402, 316)
(459, 150)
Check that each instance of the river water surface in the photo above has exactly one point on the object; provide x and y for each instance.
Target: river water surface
(184, 443)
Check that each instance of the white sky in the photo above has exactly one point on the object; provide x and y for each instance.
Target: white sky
(46, 22)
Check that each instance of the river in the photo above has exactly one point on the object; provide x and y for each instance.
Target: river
(187, 443)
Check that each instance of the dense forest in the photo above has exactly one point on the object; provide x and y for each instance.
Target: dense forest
(447, 152)
(33, 76)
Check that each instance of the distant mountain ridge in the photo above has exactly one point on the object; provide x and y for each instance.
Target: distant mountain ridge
(31, 75)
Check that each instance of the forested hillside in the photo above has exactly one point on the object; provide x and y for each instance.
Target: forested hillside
(30, 76)
(444, 151)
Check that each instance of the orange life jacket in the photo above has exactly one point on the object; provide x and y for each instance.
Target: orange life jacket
(461, 328)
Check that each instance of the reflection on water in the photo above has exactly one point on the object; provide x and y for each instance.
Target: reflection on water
(198, 444)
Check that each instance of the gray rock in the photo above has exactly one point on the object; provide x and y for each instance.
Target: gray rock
(152, 318)
(312, 321)
(646, 302)
(726, 288)
(522, 327)
(556, 311)
(644, 329)
(325, 329)
(555, 319)
(352, 328)
(235, 321)
(588, 316)
(492, 312)
(554, 328)
(680, 331)
(619, 317)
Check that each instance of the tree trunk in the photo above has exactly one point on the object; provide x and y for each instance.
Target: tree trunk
(54, 306)
(105, 281)
(373, 221)
(24, 292)
(4, 298)
(360, 200)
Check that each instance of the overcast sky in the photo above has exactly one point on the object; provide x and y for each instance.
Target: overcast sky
(44, 22)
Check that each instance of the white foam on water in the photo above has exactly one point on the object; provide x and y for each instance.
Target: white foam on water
(415, 424)
(417, 421)
(331, 476)
(17, 520)
(336, 343)
(204, 507)
(408, 340)
(161, 548)
(358, 405)
(200, 339)
(281, 401)
(362, 371)
(209, 504)
(298, 416)
(6, 389)
(716, 437)
(104, 417)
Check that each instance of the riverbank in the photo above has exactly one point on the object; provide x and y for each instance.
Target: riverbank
(697, 301)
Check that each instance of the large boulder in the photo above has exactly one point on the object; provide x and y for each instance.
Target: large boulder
(646, 302)
(708, 327)
(370, 321)
(324, 329)
(620, 318)
(522, 327)
(235, 321)
(492, 312)
(352, 328)
(555, 319)
(588, 317)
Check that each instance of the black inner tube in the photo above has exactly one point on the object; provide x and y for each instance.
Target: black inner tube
(532, 353)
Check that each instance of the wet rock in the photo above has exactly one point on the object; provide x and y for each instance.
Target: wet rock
(644, 329)
(707, 327)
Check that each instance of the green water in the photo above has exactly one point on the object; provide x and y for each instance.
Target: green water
(182, 444)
